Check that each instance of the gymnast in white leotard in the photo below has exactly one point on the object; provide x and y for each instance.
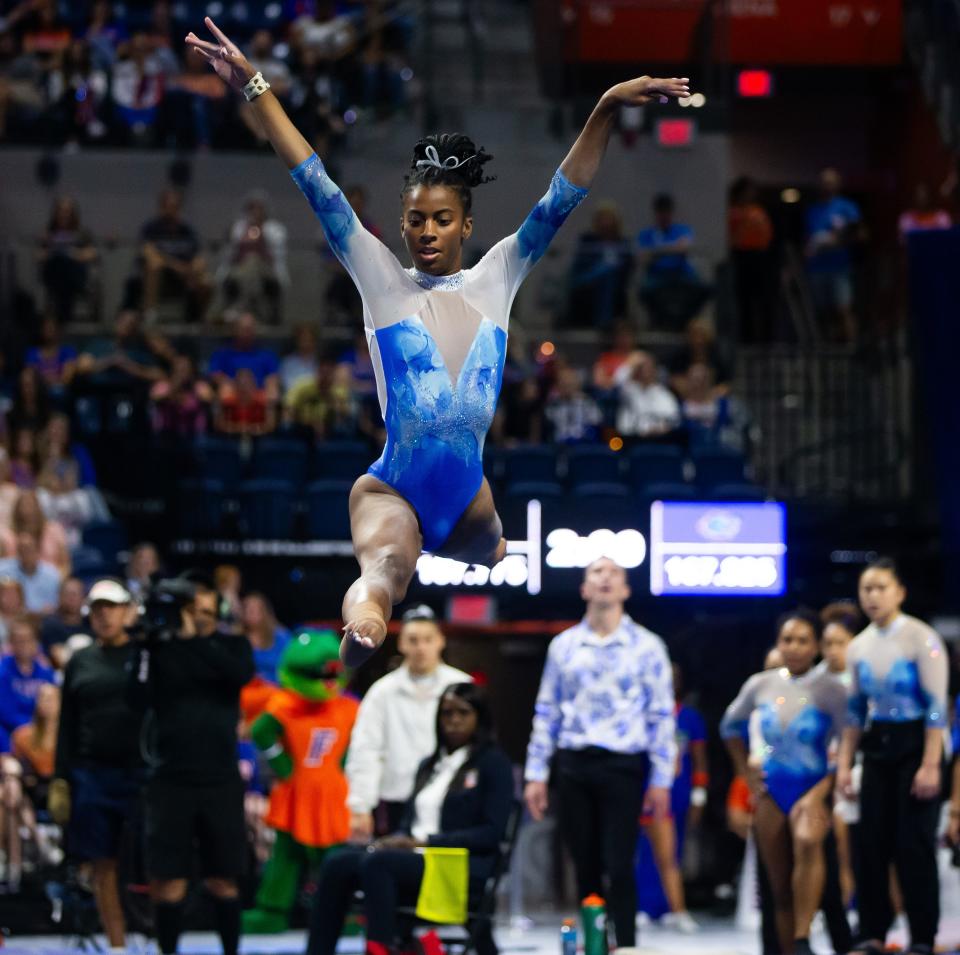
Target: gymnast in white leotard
(437, 335)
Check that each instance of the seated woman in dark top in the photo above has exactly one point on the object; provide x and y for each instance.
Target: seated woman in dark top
(462, 798)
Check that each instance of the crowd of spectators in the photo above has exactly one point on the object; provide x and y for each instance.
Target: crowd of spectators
(628, 396)
(83, 74)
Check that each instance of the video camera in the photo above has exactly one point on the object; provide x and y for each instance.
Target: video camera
(161, 609)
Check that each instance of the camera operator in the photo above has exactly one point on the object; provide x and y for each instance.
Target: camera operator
(189, 677)
(98, 770)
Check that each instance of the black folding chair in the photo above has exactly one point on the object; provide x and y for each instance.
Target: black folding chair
(477, 930)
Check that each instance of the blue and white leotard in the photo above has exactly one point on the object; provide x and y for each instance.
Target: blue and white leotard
(898, 674)
(790, 722)
(438, 345)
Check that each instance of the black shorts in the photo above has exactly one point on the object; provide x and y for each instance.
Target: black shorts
(104, 800)
(187, 821)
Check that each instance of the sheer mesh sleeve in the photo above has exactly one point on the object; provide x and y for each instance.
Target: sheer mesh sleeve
(370, 263)
(736, 719)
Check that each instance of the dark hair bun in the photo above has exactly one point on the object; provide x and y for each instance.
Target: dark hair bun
(450, 147)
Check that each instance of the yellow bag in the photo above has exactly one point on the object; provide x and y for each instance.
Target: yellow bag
(445, 885)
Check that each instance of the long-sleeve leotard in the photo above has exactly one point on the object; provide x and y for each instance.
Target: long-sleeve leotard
(438, 345)
(790, 722)
(898, 674)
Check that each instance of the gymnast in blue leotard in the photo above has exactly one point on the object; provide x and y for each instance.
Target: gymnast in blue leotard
(789, 716)
(897, 717)
(437, 334)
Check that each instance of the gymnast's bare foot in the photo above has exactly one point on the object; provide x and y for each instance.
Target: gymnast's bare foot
(363, 634)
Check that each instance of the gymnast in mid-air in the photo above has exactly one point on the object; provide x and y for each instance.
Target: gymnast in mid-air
(437, 335)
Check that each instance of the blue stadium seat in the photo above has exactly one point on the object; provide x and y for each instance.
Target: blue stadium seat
(87, 422)
(281, 459)
(529, 463)
(718, 466)
(107, 537)
(200, 507)
(218, 458)
(512, 506)
(328, 510)
(668, 491)
(601, 505)
(267, 509)
(587, 464)
(340, 461)
(492, 464)
(88, 563)
(122, 415)
(614, 490)
(737, 492)
(531, 489)
(655, 463)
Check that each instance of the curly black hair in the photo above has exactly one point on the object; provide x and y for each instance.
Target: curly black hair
(467, 175)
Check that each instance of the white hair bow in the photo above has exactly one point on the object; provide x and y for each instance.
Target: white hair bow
(433, 159)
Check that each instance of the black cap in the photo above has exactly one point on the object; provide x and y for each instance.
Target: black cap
(420, 612)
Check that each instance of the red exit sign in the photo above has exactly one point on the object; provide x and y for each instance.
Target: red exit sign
(755, 83)
(674, 133)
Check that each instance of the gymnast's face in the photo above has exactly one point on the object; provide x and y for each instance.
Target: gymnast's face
(434, 228)
(881, 595)
(797, 643)
(836, 638)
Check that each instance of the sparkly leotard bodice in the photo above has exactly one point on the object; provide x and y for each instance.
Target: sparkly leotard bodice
(790, 722)
(898, 674)
(438, 344)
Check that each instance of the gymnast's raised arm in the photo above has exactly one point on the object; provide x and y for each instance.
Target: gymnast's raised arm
(234, 69)
(572, 180)
(582, 162)
(366, 258)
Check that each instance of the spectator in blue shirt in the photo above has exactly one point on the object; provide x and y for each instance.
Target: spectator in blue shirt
(266, 635)
(40, 581)
(600, 271)
(122, 363)
(833, 225)
(21, 676)
(245, 353)
(671, 290)
(55, 361)
(604, 733)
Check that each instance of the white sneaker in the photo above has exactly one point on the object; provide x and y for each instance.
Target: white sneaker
(642, 920)
(682, 922)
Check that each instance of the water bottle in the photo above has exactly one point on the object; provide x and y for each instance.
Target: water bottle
(568, 937)
(593, 912)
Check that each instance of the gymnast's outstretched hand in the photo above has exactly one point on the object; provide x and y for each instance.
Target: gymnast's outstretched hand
(235, 70)
(646, 89)
(224, 56)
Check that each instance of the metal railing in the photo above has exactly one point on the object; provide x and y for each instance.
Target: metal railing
(831, 422)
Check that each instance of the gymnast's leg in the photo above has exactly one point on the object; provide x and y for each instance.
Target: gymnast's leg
(772, 830)
(477, 537)
(387, 543)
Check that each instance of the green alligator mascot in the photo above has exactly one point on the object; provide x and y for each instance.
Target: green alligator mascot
(304, 732)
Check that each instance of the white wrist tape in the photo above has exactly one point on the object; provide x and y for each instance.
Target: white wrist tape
(256, 86)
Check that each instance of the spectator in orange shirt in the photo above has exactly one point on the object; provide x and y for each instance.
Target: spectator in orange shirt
(29, 772)
(245, 409)
(35, 743)
(751, 239)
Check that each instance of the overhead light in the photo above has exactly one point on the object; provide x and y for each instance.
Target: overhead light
(790, 195)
